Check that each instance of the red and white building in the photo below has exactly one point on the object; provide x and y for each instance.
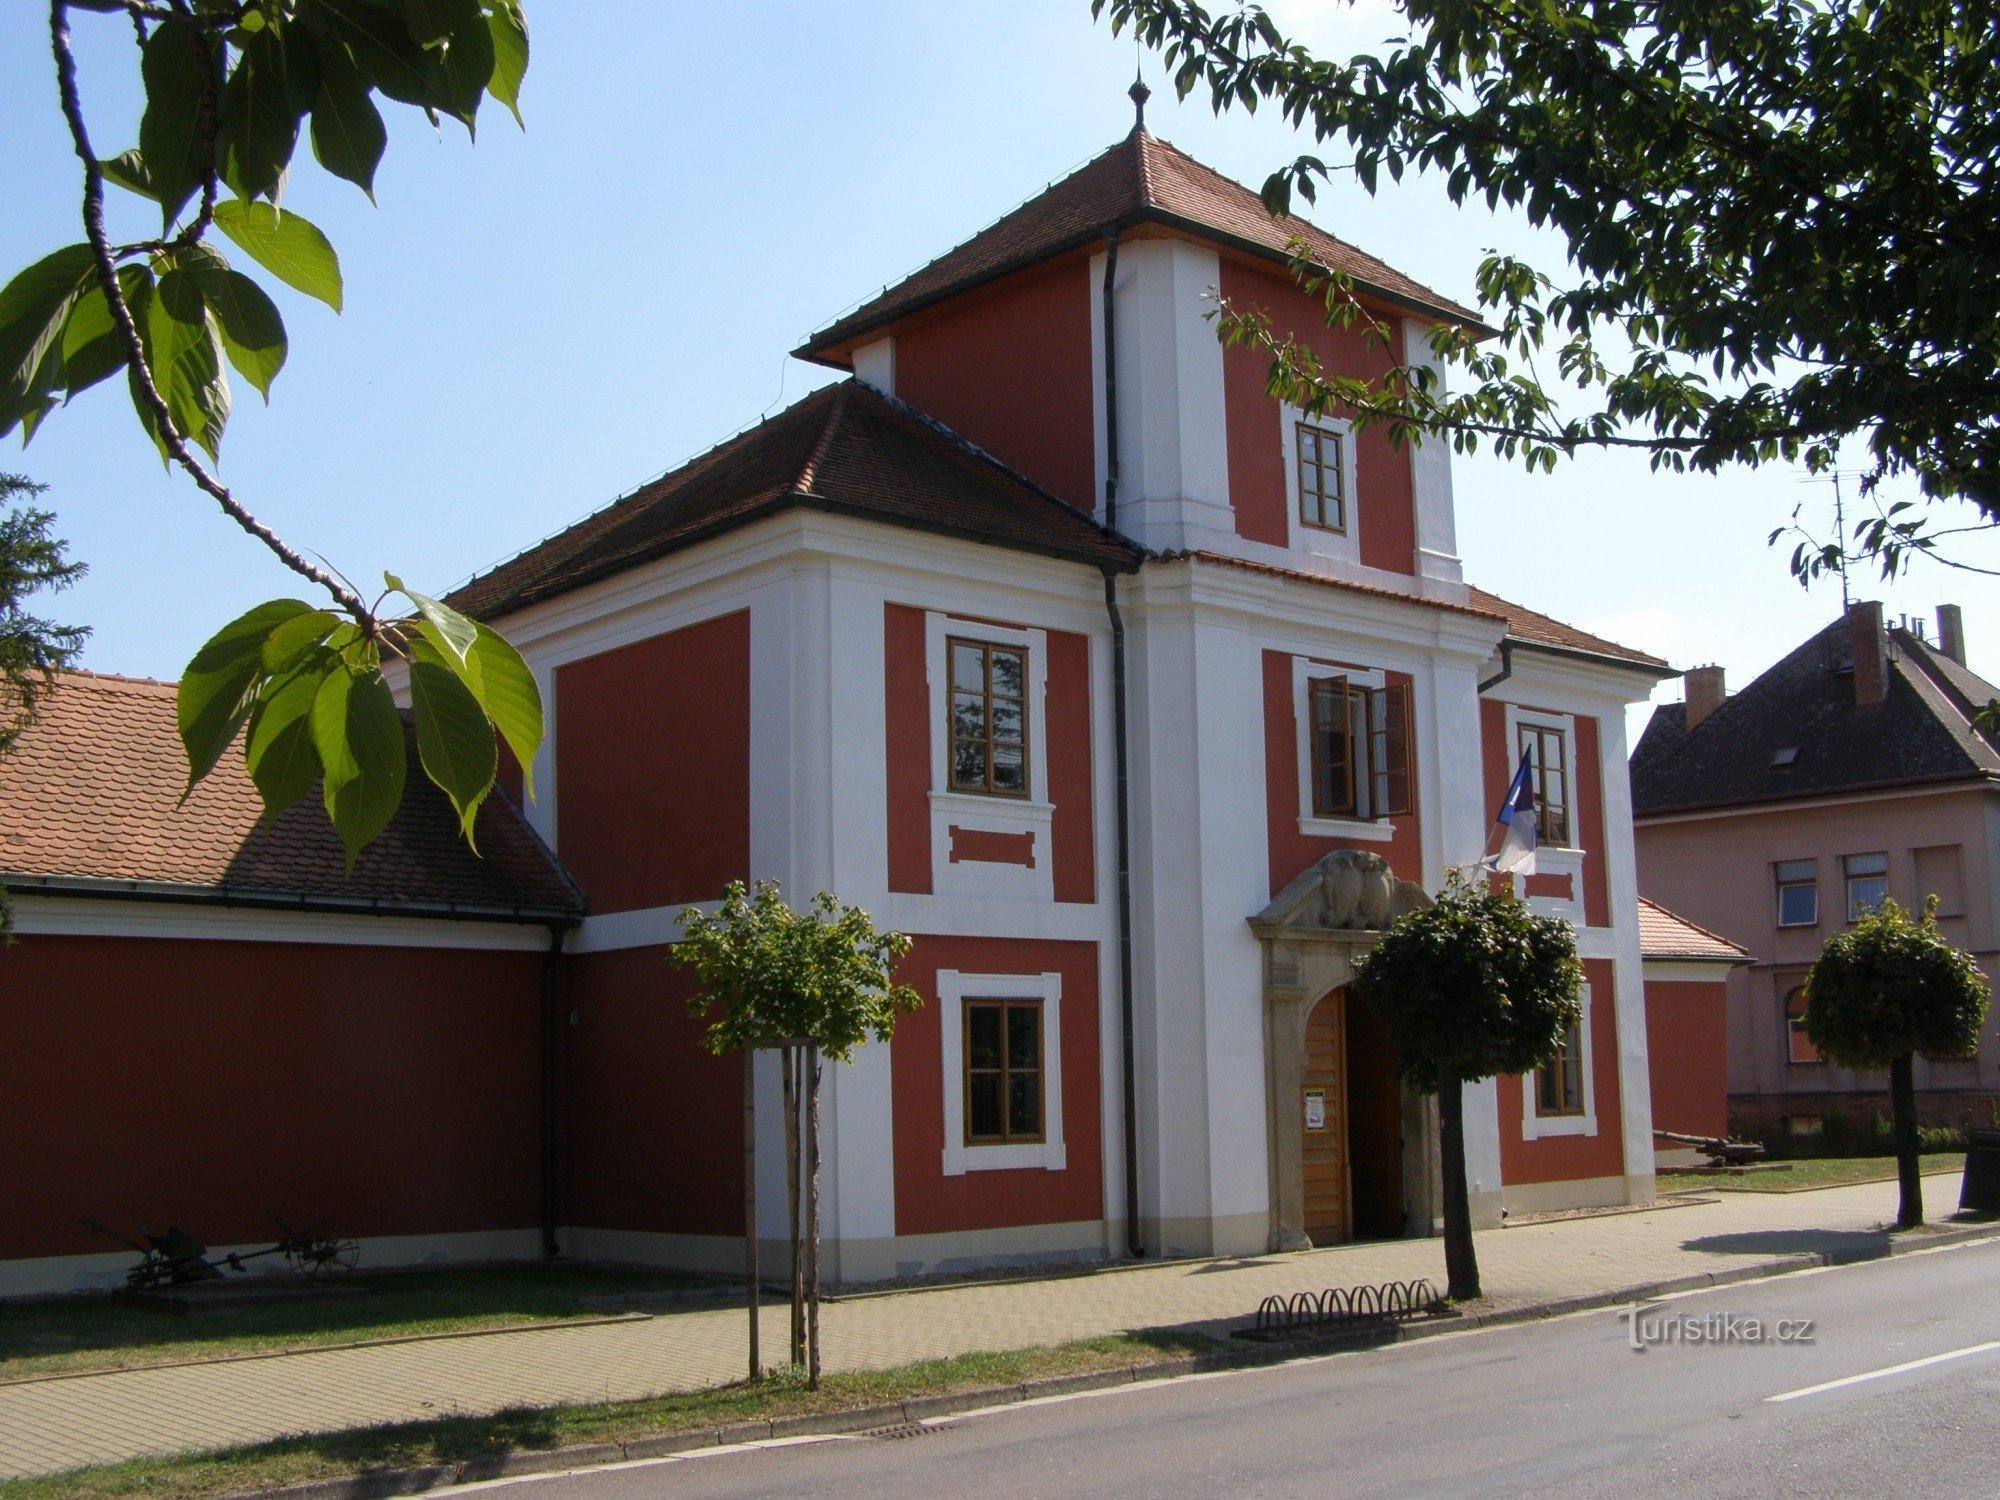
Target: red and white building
(1052, 639)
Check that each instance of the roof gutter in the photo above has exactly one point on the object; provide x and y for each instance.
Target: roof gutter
(1659, 671)
(100, 888)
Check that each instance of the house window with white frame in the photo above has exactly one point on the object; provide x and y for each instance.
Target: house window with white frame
(1322, 478)
(1546, 749)
(1359, 745)
(1867, 883)
(1559, 1082)
(1798, 892)
(989, 718)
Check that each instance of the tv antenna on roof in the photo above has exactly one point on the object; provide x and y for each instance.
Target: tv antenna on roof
(1833, 477)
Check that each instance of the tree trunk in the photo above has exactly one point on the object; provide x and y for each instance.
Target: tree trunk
(812, 1217)
(792, 1201)
(1461, 1265)
(1903, 1110)
(750, 1275)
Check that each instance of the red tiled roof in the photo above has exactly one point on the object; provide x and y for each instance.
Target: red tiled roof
(1321, 580)
(91, 791)
(1540, 630)
(1140, 180)
(1662, 934)
(844, 448)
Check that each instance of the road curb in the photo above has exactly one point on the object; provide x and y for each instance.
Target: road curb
(381, 1483)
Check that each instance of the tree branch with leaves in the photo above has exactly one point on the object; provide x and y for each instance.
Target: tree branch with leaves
(230, 86)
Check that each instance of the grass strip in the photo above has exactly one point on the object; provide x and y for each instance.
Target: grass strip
(1808, 1173)
(446, 1442)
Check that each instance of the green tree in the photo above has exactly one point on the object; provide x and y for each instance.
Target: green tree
(1780, 219)
(33, 649)
(1883, 991)
(811, 984)
(230, 88)
(1472, 986)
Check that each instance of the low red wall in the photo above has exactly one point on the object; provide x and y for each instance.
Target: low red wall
(652, 1132)
(374, 1091)
(1687, 1049)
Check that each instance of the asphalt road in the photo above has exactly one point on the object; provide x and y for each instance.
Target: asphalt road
(1565, 1408)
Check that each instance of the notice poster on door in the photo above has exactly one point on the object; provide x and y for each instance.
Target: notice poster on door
(1316, 1109)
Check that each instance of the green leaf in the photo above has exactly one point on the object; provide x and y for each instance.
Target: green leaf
(215, 693)
(495, 673)
(278, 750)
(458, 631)
(257, 127)
(379, 44)
(359, 737)
(33, 309)
(246, 320)
(288, 245)
(290, 643)
(431, 21)
(91, 348)
(463, 62)
(185, 359)
(171, 67)
(128, 170)
(348, 136)
(509, 29)
(454, 739)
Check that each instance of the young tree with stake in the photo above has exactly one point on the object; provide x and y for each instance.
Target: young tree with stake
(811, 983)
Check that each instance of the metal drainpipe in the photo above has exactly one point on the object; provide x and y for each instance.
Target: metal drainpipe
(1506, 666)
(548, 1123)
(1121, 759)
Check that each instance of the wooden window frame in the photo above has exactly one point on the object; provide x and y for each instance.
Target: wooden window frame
(1848, 878)
(1005, 1006)
(1319, 469)
(987, 650)
(1530, 735)
(1795, 1029)
(1808, 882)
(1343, 763)
(1568, 1057)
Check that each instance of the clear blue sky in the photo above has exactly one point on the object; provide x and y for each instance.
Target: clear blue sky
(539, 323)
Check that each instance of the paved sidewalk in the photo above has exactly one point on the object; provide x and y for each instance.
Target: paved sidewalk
(61, 1423)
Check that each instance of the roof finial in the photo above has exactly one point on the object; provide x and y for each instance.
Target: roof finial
(1139, 94)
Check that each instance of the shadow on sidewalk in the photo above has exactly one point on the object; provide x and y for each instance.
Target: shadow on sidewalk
(1840, 1243)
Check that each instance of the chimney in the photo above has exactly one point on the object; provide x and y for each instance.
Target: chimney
(1705, 693)
(1951, 632)
(1868, 643)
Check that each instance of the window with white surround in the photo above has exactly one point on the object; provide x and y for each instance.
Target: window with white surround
(1355, 748)
(991, 820)
(1002, 1071)
(1867, 883)
(1319, 484)
(1547, 738)
(1562, 1098)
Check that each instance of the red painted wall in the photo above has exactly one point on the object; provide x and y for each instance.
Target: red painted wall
(1284, 740)
(1385, 498)
(375, 1091)
(1687, 1051)
(652, 1135)
(1011, 371)
(1065, 781)
(1500, 760)
(1564, 1158)
(650, 814)
(928, 1202)
(908, 759)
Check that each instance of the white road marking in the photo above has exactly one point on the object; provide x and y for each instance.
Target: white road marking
(1915, 1364)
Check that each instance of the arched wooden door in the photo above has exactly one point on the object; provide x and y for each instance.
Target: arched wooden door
(1323, 1154)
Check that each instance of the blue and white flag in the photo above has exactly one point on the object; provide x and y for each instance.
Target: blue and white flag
(1516, 826)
